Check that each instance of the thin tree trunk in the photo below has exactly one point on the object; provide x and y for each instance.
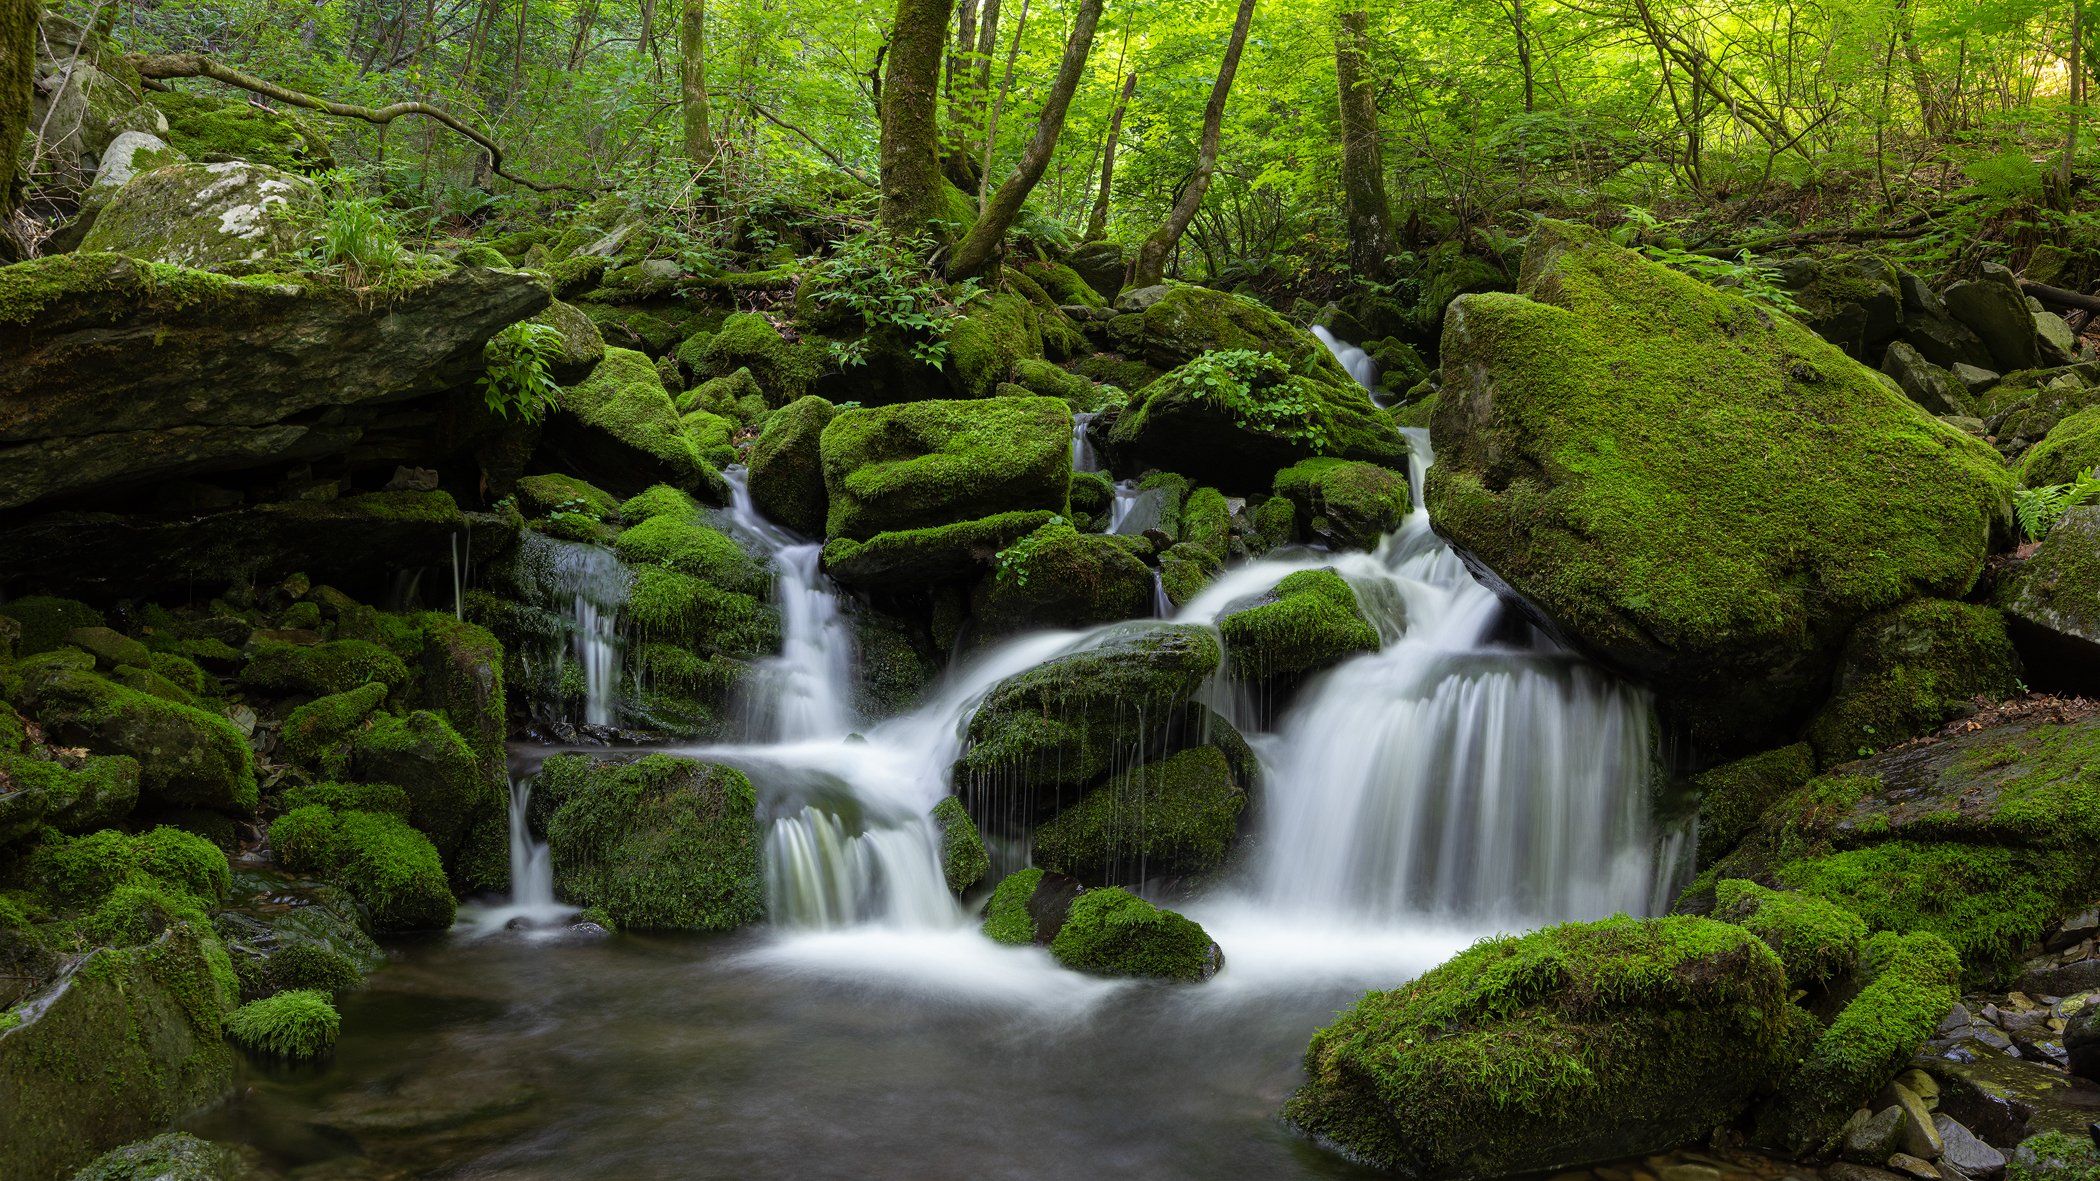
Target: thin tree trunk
(991, 123)
(517, 52)
(1516, 18)
(981, 247)
(1366, 209)
(692, 69)
(911, 85)
(18, 25)
(1151, 266)
(2077, 96)
(1097, 221)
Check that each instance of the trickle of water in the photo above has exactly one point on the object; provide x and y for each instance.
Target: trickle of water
(584, 587)
(532, 902)
(1355, 360)
(805, 691)
(1084, 458)
(820, 873)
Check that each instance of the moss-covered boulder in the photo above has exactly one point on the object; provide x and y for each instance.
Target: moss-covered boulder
(787, 466)
(1172, 326)
(186, 756)
(657, 843)
(1060, 577)
(2071, 449)
(2052, 603)
(917, 558)
(391, 869)
(1703, 494)
(1112, 932)
(1233, 419)
(1983, 838)
(1819, 942)
(964, 859)
(170, 1156)
(1308, 622)
(1347, 505)
(67, 792)
(1732, 796)
(206, 216)
(749, 341)
(1904, 672)
(451, 792)
(619, 429)
(47, 621)
(1567, 1046)
(318, 670)
(924, 464)
(460, 675)
(995, 332)
(215, 129)
(1177, 816)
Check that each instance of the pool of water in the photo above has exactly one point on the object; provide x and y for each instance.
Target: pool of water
(860, 1053)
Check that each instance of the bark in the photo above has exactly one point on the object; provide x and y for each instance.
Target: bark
(1516, 19)
(1097, 221)
(1366, 209)
(1151, 265)
(189, 65)
(911, 83)
(692, 62)
(991, 123)
(978, 250)
(18, 22)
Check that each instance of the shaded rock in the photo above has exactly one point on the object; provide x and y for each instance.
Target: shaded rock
(1176, 816)
(1173, 324)
(1904, 672)
(208, 216)
(1936, 335)
(1060, 577)
(1347, 505)
(186, 756)
(1733, 796)
(1925, 383)
(1854, 300)
(2052, 603)
(170, 1156)
(1994, 309)
(787, 466)
(2056, 342)
(619, 429)
(657, 843)
(1964, 1153)
(923, 464)
(1101, 265)
(1871, 1139)
(2005, 1100)
(1308, 622)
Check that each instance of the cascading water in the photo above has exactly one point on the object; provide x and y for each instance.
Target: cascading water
(1349, 357)
(805, 692)
(1084, 458)
(583, 587)
(532, 903)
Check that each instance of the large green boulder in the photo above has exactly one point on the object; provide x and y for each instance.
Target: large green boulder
(1173, 325)
(917, 558)
(619, 429)
(206, 216)
(73, 795)
(47, 622)
(1348, 505)
(1179, 815)
(218, 374)
(186, 756)
(2052, 602)
(212, 128)
(1732, 796)
(1060, 577)
(1112, 932)
(1904, 672)
(657, 843)
(319, 670)
(451, 792)
(923, 464)
(787, 466)
(170, 1156)
(1576, 1044)
(2071, 449)
(749, 341)
(1233, 419)
(1308, 622)
(392, 870)
(1703, 494)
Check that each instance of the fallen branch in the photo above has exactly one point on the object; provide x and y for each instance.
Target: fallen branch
(2060, 297)
(158, 66)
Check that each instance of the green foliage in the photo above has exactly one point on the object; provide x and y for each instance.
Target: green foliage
(356, 233)
(518, 380)
(1257, 389)
(1755, 280)
(885, 281)
(298, 1024)
(1112, 932)
(1006, 917)
(2039, 509)
(1013, 561)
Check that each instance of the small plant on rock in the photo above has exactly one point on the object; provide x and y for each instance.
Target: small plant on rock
(519, 379)
(2039, 509)
(886, 281)
(299, 1024)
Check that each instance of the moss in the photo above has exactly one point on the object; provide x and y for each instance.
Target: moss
(1177, 816)
(462, 678)
(1526, 1053)
(85, 872)
(1705, 494)
(934, 463)
(679, 542)
(1348, 505)
(205, 127)
(1906, 671)
(748, 341)
(450, 791)
(1911, 983)
(170, 1156)
(1189, 321)
(47, 621)
(300, 965)
(1048, 380)
(74, 796)
(1062, 283)
(1006, 917)
(186, 755)
(301, 1023)
(679, 608)
(1112, 932)
(658, 842)
(1309, 622)
(1416, 415)
(320, 670)
(639, 329)
(2055, 1156)
(2070, 450)
(539, 496)
(1817, 941)
(1184, 570)
(1057, 576)
(787, 466)
(922, 557)
(391, 869)
(657, 501)
(964, 861)
(1092, 493)
(1733, 796)
(995, 332)
(1206, 524)
(625, 400)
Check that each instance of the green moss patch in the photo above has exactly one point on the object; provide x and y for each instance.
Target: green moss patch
(658, 843)
(392, 870)
(934, 463)
(1112, 932)
(302, 1023)
(1176, 816)
(1308, 622)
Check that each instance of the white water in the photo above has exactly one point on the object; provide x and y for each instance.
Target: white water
(1084, 459)
(806, 691)
(532, 902)
(585, 586)
(1355, 360)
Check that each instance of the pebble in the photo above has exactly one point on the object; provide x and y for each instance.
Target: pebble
(1913, 1166)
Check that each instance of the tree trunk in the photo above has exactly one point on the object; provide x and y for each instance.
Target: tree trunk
(692, 60)
(991, 122)
(981, 247)
(1367, 211)
(517, 52)
(1151, 265)
(18, 22)
(911, 85)
(1516, 19)
(1097, 221)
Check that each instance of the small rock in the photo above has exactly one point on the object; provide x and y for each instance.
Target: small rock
(1976, 377)
(1907, 1165)
(413, 479)
(1966, 1154)
(1847, 1171)
(1956, 1021)
(1873, 1139)
(1923, 1085)
(1914, 1131)
(2083, 925)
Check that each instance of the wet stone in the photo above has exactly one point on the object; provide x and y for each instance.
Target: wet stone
(1906, 1165)
(1966, 1154)
(1871, 1139)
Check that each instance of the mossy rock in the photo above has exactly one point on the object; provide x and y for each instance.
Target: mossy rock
(1061, 283)
(1983, 838)
(1818, 942)
(666, 606)
(1904, 672)
(657, 843)
(1702, 494)
(735, 397)
(77, 795)
(1176, 816)
(1310, 621)
(451, 792)
(748, 341)
(626, 434)
(316, 942)
(2052, 604)
(926, 464)
(995, 333)
(1184, 570)
(390, 868)
(1187, 321)
(1576, 1044)
(1060, 577)
(207, 216)
(461, 677)
(1345, 504)
(637, 329)
(214, 129)
(916, 558)
(787, 466)
(1206, 523)
(680, 542)
(46, 621)
(2070, 450)
(1112, 932)
(319, 670)
(1049, 380)
(1732, 796)
(170, 1156)
(186, 756)
(964, 860)
(1236, 429)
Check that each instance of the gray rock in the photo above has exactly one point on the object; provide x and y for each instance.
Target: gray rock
(2058, 979)
(1848, 1171)
(2081, 1042)
(1915, 1133)
(1911, 1165)
(1976, 377)
(2052, 604)
(2004, 1099)
(1994, 309)
(128, 155)
(207, 216)
(1929, 328)
(1141, 298)
(2058, 344)
(1966, 1154)
(1870, 1139)
(1925, 383)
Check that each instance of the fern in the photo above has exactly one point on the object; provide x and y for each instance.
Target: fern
(518, 378)
(2039, 509)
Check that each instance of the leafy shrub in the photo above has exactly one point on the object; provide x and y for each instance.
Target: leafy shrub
(886, 281)
(1257, 388)
(519, 379)
(2039, 509)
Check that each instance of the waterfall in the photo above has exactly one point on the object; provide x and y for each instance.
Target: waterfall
(1355, 360)
(583, 587)
(1084, 459)
(805, 691)
(532, 903)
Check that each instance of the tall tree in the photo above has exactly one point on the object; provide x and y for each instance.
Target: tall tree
(17, 75)
(978, 250)
(1097, 221)
(1151, 266)
(910, 157)
(1367, 212)
(692, 60)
